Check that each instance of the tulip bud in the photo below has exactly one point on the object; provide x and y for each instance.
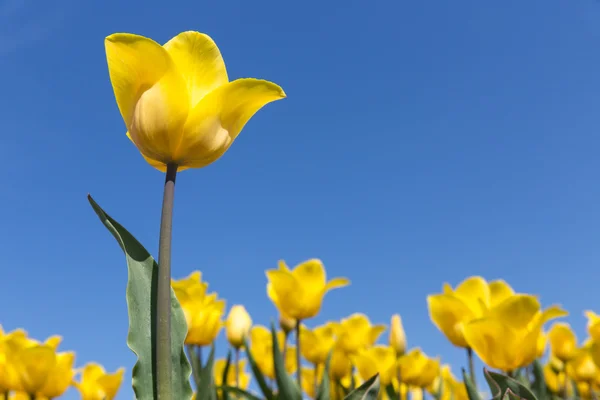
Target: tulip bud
(238, 325)
(397, 336)
(287, 324)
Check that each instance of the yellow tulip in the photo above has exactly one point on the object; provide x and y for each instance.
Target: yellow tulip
(377, 360)
(581, 368)
(238, 325)
(507, 338)
(593, 325)
(261, 349)
(316, 344)
(555, 380)
(310, 381)
(340, 365)
(397, 335)
(203, 312)
(416, 369)
(219, 369)
(299, 293)
(355, 333)
(451, 310)
(563, 342)
(287, 324)
(60, 376)
(96, 384)
(451, 387)
(176, 100)
(34, 365)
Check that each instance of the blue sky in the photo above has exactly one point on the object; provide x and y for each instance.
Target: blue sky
(421, 142)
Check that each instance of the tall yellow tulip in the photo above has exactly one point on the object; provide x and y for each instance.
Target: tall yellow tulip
(378, 359)
(397, 335)
(177, 101)
(299, 293)
(356, 333)
(593, 325)
(507, 337)
(416, 369)
(261, 349)
(316, 343)
(563, 341)
(96, 384)
(60, 376)
(237, 325)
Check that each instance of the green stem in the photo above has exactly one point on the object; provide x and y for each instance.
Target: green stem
(316, 379)
(471, 365)
(285, 343)
(196, 367)
(163, 292)
(399, 376)
(237, 367)
(298, 355)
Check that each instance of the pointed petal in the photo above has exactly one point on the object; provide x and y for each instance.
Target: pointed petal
(151, 94)
(219, 117)
(199, 61)
(283, 266)
(376, 331)
(517, 311)
(474, 292)
(336, 283)
(448, 313)
(494, 342)
(286, 288)
(111, 383)
(499, 291)
(311, 275)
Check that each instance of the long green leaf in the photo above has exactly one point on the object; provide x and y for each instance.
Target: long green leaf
(472, 391)
(288, 389)
(538, 386)
(367, 391)
(225, 395)
(206, 390)
(258, 375)
(245, 395)
(499, 384)
(141, 307)
(324, 390)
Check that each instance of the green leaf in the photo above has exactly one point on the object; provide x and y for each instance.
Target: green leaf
(367, 391)
(499, 384)
(225, 373)
(391, 392)
(260, 378)
(141, 307)
(206, 389)
(244, 394)
(288, 389)
(195, 361)
(324, 390)
(472, 391)
(539, 388)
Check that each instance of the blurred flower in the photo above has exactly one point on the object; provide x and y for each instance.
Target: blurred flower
(377, 360)
(451, 387)
(316, 344)
(262, 351)
(581, 368)
(416, 369)
(310, 382)
(563, 342)
(340, 365)
(96, 384)
(507, 337)
(356, 333)
(238, 325)
(555, 380)
(593, 325)
(203, 312)
(60, 376)
(397, 335)
(541, 345)
(176, 100)
(472, 298)
(299, 293)
(219, 370)
(286, 324)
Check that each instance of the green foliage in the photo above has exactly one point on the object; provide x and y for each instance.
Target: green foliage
(506, 388)
(141, 306)
(325, 386)
(288, 389)
(472, 391)
(367, 391)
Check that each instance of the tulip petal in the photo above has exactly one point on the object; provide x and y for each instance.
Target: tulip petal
(551, 313)
(34, 365)
(494, 342)
(199, 61)
(336, 283)
(283, 289)
(474, 292)
(447, 313)
(499, 291)
(110, 383)
(517, 311)
(60, 377)
(283, 266)
(376, 331)
(311, 275)
(219, 117)
(150, 93)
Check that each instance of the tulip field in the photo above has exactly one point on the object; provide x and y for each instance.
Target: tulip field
(181, 111)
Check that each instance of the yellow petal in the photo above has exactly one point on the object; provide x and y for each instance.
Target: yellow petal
(376, 331)
(311, 275)
(336, 283)
(563, 341)
(219, 117)
(551, 313)
(448, 313)
(199, 61)
(34, 365)
(494, 342)
(517, 311)
(110, 383)
(474, 292)
(283, 266)
(151, 94)
(286, 290)
(499, 291)
(60, 377)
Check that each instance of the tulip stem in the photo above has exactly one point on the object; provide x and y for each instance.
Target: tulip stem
(163, 292)
(237, 367)
(298, 355)
(471, 365)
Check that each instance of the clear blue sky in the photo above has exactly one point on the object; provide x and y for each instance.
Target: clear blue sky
(420, 142)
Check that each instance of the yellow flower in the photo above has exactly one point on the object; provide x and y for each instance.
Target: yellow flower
(593, 325)
(355, 333)
(378, 359)
(397, 335)
(472, 298)
(555, 380)
(287, 324)
(340, 365)
(176, 100)
(219, 369)
(316, 344)
(299, 293)
(581, 368)
(310, 382)
(507, 338)
(203, 312)
(34, 365)
(452, 388)
(238, 325)
(60, 376)
(262, 351)
(416, 369)
(563, 342)
(96, 384)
